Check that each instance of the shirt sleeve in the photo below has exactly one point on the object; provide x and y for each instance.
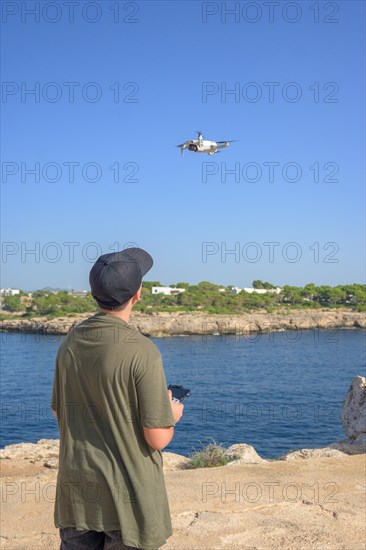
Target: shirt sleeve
(152, 393)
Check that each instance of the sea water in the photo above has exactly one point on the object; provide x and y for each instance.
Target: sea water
(276, 391)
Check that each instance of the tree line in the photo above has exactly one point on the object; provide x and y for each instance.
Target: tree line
(204, 296)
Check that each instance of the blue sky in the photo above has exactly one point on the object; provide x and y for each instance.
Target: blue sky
(161, 57)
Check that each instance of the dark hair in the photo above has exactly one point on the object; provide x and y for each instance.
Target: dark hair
(120, 308)
(116, 308)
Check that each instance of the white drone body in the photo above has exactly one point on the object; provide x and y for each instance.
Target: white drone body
(201, 145)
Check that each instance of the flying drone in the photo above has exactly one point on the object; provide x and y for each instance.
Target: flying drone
(201, 145)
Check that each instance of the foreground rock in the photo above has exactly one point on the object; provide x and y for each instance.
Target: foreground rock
(182, 323)
(44, 449)
(324, 452)
(316, 504)
(246, 455)
(348, 447)
(354, 412)
(173, 461)
(334, 450)
(45, 453)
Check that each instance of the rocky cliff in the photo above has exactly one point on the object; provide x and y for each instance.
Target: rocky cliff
(182, 323)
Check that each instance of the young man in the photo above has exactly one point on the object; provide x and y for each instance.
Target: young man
(115, 415)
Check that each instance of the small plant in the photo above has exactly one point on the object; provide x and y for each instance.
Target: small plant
(211, 456)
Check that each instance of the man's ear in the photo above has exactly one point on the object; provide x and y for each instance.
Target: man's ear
(137, 296)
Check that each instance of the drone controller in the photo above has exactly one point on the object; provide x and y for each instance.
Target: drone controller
(178, 393)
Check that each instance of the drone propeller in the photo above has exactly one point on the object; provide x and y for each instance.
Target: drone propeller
(199, 132)
(182, 147)
(227, 141)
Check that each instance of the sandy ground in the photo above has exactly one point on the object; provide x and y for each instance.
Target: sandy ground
(316, 503)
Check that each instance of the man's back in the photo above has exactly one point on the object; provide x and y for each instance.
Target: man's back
(109, 384)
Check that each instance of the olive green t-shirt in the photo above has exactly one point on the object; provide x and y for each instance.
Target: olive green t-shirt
(109, 383)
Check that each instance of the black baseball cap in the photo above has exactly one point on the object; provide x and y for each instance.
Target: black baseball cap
(116, 277)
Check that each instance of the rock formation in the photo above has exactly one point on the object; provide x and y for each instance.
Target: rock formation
(313, 453)
(182, 323)
(354, 412)
(354, 422)
(246, 453)
(45, 453)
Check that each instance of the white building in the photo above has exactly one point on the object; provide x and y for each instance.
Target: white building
(167, 290)
(236, 290)
(80, 293)
(9, 291)
(263, 290)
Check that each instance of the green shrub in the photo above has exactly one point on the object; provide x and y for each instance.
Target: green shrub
(211, 456)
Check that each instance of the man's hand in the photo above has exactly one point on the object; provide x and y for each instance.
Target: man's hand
(177, 408)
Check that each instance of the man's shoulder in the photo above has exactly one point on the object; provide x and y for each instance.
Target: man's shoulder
(84, 323)
(114, 330)
(144, 343)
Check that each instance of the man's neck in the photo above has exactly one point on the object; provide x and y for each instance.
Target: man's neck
(125, 314)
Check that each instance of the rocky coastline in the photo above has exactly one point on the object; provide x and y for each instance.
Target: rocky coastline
(198, 323)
